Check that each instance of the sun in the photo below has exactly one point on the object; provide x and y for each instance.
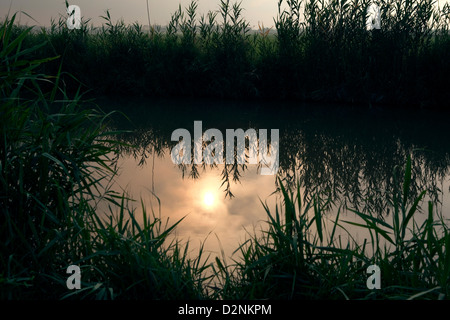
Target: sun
(209, 199)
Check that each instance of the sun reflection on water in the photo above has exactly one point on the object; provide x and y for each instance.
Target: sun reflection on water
(201, 203)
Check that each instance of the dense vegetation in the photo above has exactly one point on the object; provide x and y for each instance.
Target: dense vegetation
(320, 50)
(57, 163)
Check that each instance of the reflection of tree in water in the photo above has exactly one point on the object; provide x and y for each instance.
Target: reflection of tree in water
(354, 165)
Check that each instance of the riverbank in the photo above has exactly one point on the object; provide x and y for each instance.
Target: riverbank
(320, 52)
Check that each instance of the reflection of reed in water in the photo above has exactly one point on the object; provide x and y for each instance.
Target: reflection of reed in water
(351, 162)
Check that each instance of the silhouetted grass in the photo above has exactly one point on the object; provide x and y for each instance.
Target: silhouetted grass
(302, 254)
(321, 51)
(56, 205)
(56, 169)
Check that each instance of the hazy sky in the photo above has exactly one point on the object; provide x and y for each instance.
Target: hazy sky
(135, 10)
(132, 10)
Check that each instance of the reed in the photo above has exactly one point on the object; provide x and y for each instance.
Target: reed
(319, 50)
(57, 208)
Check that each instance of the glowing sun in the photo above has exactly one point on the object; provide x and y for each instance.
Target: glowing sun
(209, 199)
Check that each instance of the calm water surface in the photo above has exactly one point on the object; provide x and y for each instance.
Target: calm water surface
(345, 154)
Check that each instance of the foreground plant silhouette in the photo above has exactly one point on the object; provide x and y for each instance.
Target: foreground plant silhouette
(301, 256)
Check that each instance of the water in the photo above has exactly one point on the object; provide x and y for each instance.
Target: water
(344, 153)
